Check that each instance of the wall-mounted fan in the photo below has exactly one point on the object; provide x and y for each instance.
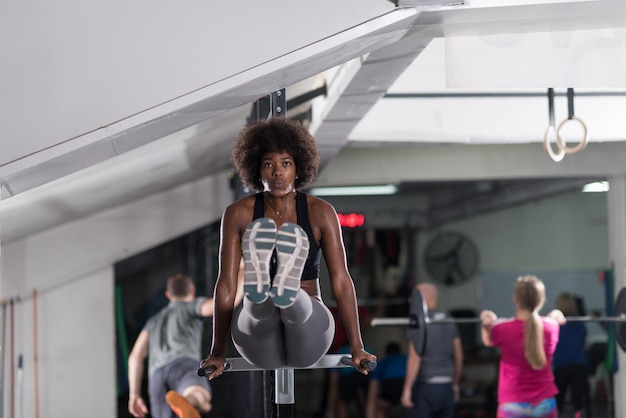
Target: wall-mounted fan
(451, 258)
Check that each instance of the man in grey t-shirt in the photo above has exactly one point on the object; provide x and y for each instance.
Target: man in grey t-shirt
(431, 384)
(171, 339)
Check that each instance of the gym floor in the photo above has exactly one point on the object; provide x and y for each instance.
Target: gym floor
(596, 411)
(599, 406)
(310, 387)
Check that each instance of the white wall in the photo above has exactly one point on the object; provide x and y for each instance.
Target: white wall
(563, 240)
(563, 233)
(71, 266)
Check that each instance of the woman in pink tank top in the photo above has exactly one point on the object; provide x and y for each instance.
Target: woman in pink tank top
(526, 342)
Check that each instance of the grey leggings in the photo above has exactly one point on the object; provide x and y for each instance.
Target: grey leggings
(271, 337)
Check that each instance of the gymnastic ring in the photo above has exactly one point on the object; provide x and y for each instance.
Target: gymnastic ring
(546, 145)
(561, 144)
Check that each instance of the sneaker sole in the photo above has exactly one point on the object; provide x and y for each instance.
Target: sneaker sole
(181, 407)
(257, 247)
(292, 249)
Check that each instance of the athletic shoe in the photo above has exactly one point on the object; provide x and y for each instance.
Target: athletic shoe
(257, 247)
(292, 249)
(181, 406)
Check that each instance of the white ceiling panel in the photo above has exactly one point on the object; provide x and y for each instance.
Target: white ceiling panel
(402, 51)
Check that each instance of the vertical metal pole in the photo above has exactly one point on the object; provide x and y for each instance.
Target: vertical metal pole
(12, 355)
(283, 378)
(273, 105)
(4, 324)
(35, 353)
(284, 396)
(2, 358)
(616, 205)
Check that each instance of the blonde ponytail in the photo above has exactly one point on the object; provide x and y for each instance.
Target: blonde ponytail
(530, 294)
(533, 342)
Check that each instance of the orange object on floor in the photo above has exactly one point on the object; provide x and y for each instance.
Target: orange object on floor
(181, 406)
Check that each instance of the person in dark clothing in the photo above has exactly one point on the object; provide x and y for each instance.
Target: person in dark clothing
(431, 385)
(569, 362)
(386, 382)
(347, 388)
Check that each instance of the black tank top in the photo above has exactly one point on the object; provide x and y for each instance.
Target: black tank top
(312, 265)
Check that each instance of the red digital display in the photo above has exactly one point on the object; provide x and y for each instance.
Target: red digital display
(351, 220)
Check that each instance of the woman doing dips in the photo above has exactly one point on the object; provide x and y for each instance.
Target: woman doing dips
(281, 233)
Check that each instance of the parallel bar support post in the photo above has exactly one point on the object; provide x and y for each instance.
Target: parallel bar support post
(284, 386)
(284, 393)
